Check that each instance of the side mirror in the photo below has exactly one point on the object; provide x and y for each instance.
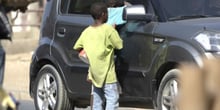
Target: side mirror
(136, 12)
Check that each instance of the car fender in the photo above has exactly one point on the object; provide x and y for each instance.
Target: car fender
(176, 53)
(41, 57)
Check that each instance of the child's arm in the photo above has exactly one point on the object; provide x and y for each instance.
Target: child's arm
(115, 40)
(78, 45)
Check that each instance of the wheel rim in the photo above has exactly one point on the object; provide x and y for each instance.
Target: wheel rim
(47, 92)
(169, 95)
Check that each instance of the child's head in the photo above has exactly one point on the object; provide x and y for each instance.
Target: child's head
(99, 11)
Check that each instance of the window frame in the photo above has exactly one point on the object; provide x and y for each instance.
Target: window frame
(67, 8)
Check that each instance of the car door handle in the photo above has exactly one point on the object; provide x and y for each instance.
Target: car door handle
(61, 32)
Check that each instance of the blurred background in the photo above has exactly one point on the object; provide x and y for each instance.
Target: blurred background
(25, 26)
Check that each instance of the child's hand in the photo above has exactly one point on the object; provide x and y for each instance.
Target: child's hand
(88, 80)
(114, 25)
(127, 3)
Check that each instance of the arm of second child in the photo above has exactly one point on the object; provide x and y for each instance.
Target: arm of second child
(115, 40)
(127, 3)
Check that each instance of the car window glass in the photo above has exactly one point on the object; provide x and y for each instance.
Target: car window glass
(83, 6)
(76, 6)
(64, 5)
(150, 9)
(133, 2)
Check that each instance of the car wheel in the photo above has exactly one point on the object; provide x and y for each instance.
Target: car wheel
(50, 93)
(168, 90)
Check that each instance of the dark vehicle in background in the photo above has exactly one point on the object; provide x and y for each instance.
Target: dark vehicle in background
(158, 36)
(7, 6)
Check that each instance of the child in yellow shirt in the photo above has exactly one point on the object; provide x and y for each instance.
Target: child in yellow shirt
(99, 41)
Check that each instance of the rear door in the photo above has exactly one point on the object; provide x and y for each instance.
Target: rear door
(72, 20)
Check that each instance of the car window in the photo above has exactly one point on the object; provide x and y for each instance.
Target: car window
(64, 8)
(133, 2)
(83, 6)
(76, 6)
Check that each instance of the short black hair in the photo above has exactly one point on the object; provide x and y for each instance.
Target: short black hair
(114, 3)
(97, 9)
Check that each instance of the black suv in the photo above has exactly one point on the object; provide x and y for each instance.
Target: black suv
(158, 36)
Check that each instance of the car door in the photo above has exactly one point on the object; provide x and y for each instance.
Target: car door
(135, 60)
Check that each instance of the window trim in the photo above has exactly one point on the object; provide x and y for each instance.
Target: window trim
(60, 8)
(67, 8)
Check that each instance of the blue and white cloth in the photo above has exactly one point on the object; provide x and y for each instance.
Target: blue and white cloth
(115, 15)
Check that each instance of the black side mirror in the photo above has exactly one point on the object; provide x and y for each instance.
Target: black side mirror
(136, 12)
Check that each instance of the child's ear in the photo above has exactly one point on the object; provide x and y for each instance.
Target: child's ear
(104, 14)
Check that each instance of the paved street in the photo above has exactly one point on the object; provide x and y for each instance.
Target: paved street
(28, 105)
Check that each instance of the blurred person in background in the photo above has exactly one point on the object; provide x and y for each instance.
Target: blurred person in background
(5, 33)
(200, 86)
(7, 101)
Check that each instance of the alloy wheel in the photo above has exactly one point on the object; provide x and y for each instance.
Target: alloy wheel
(169, 95)
(47, 92)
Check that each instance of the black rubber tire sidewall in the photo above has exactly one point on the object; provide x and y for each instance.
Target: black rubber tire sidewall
(174, 73)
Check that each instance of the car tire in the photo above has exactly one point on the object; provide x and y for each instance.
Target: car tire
(50, 93)
(168, 90)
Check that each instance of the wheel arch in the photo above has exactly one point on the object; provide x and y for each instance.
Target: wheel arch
(36, 67)
(163, 70)
(177, 52)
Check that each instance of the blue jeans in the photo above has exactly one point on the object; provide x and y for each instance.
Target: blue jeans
(108, 93)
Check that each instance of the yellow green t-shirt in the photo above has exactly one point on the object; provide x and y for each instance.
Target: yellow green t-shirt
(99, 44)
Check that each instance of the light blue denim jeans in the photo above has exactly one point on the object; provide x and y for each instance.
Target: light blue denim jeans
(109, 94)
